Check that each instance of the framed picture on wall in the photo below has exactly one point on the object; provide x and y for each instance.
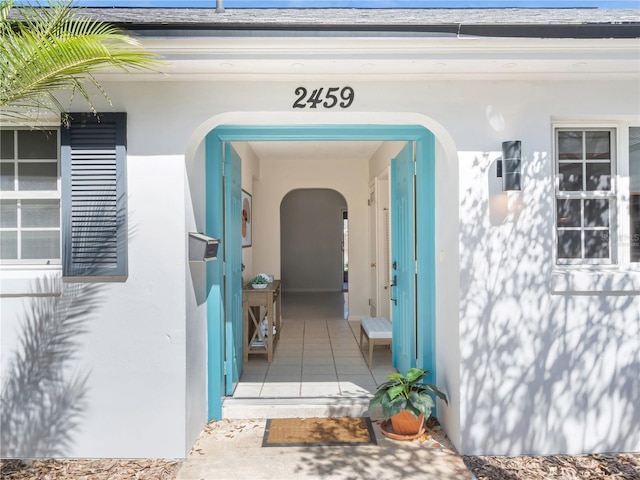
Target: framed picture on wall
(246, 219)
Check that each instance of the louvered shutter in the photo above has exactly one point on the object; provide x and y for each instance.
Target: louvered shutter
(94, 202)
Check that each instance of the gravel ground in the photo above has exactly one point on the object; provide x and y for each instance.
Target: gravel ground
(561, 467)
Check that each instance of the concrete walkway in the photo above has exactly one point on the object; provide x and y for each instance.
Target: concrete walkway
(318, 370)
(232, 449)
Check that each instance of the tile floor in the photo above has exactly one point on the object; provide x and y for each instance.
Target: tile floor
(317, 355)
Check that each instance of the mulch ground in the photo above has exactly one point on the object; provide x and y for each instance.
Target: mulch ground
(104, 469)
(625, 466)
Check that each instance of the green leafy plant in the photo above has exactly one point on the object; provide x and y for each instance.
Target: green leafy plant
(259, 280)
(406, 392)
(46, 49)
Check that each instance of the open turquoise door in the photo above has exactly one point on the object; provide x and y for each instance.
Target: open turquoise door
(232, 267)
(410, 241)
(403, 258)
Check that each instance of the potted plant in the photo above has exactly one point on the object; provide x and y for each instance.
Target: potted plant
(406, 400)
(260, 281)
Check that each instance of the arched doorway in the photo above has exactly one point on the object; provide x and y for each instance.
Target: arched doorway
(312, 240)
(421, 342)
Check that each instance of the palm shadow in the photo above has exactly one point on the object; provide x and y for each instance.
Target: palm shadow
(44, 395)
(537, 362)
(43, 398)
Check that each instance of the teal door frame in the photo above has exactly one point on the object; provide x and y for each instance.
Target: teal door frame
(425, 243)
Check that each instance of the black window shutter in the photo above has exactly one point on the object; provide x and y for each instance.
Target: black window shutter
(94, 200)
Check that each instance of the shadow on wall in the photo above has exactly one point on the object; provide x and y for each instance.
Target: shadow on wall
(42, 398)
(541, 373)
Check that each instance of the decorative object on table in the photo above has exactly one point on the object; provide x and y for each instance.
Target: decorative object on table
(260, 281)
(406, 401)
(247, 221)
(264, 328)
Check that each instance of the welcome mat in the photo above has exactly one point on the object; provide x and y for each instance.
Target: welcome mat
(302, 432)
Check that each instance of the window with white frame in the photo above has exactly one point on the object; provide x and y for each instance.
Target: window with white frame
(634, 193)
(29, 196)
(585, 195)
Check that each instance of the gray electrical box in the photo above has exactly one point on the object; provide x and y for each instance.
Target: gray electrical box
(202, 248)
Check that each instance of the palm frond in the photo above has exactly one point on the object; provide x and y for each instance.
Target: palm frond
(52, 50)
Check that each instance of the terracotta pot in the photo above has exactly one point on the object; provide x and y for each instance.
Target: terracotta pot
(404, 423)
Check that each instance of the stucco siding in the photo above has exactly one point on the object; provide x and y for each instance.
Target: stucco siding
(528, 369)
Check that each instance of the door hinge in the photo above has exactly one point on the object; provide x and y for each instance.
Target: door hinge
(224, 368)
(369, 302)
(416, 267)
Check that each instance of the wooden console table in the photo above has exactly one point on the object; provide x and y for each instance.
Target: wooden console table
(258, 303)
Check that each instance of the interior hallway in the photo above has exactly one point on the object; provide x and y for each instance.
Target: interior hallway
(317, 356)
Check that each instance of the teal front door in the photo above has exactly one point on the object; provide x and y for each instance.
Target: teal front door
(232, 267)
(403, 258)
(412, 345)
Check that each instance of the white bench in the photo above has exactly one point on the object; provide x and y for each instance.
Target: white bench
(378, 332)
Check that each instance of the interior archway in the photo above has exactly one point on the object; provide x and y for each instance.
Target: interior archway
(311, 240)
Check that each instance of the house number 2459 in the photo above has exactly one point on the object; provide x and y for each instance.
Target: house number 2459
(327, 98)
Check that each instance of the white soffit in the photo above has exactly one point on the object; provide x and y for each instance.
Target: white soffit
(400, 58)
(315, 150)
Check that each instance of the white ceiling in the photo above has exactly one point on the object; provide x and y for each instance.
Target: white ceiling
(315, 150)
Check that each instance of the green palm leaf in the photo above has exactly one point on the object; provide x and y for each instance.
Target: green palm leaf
(51, 50)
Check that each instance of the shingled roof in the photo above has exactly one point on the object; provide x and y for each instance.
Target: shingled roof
(498, 22)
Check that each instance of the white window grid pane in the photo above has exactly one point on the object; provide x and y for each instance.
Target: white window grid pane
(585, 194)
(584, 161)
(7, 170)
(40, 214)
(27, 195)
(634, 191)
(17, 161)
(8, 245)
(19, 229)
(25, 181)
(50, 143)
(8, 214)
(585, 230)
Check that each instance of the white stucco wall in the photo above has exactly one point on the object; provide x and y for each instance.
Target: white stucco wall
(195, 327)
(447, 288)
(131, 343)
(541, 371)
(533, 370)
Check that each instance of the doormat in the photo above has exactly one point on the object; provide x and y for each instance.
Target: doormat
(303, 432)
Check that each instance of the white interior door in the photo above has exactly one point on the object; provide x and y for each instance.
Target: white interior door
(384, 246)
(373, 251)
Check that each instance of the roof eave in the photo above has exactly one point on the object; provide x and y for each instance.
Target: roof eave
(586, 31)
